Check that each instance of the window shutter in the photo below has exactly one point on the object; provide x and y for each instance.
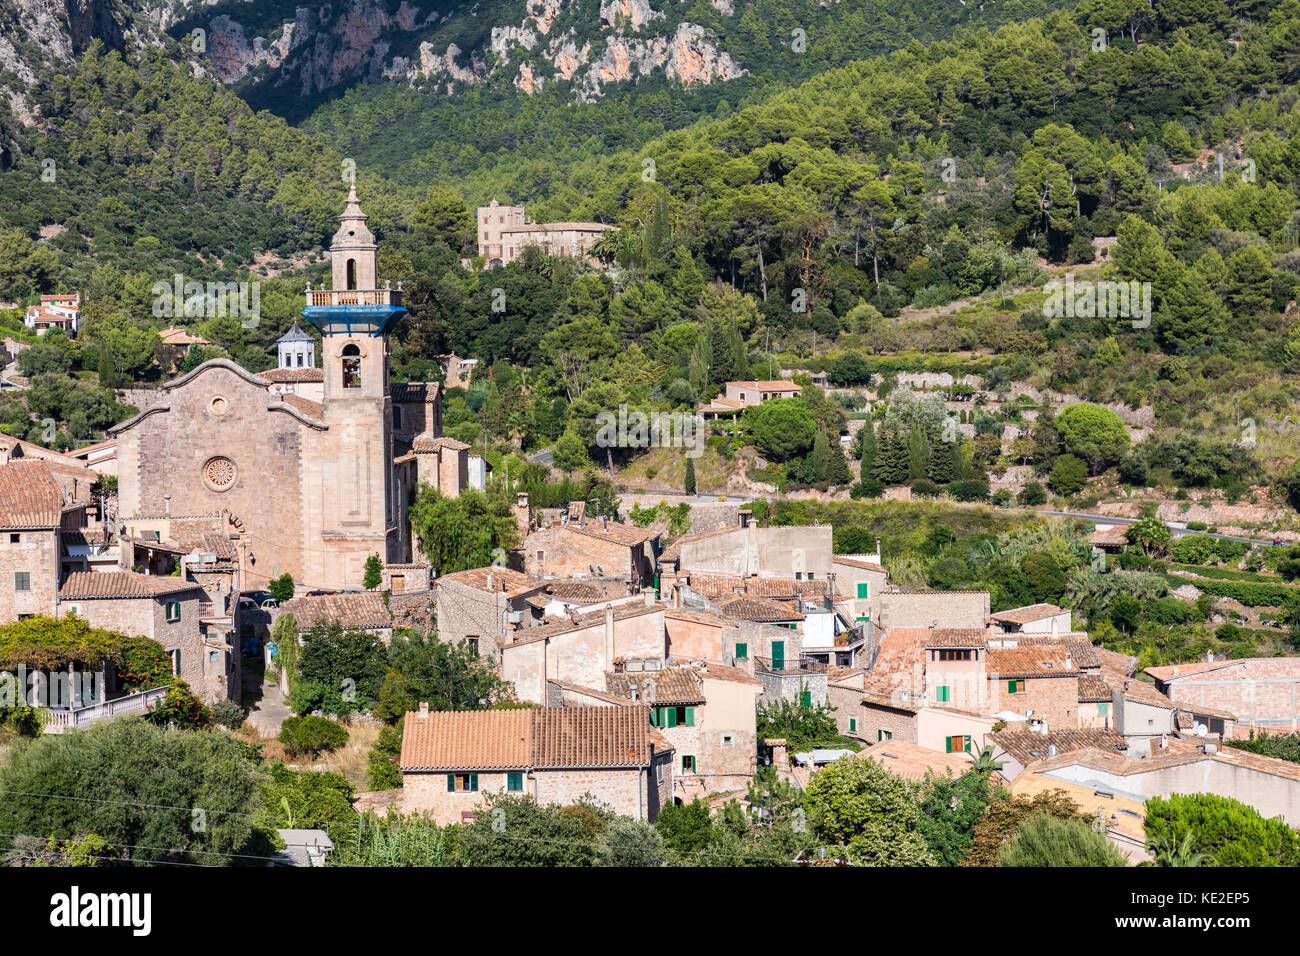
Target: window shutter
(671, 714)
(1011, 687)
(451, 783)
(966, 744)
(947, 745)
(473, 783)
(690, 716)
(853, 725)
(863, 590)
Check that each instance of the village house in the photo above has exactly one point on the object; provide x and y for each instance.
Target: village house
(175, 343)
(1238, 696)
(60, 311)
(1269, 785)
(1034, 619)
(165, 608)
(582, 649)
(366, 612)
(1123, 817)
(33, 518)
(861, 579)
(552, 755)
(577, 546)
(486, 606)
(794, 552)
(1016, 749)
(915, 762)
(737, 396)
(505, 231)
(707, 713)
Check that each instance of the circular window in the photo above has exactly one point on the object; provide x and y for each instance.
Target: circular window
(220, 473)
(218, 406)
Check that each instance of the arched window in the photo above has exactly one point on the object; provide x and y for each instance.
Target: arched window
(352, 274)
(351, 366)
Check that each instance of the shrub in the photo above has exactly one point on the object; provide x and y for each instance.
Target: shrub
(1032, 494)
(866, 488)
(975, 490)
(228, 714)
(1068, 476)
(311, 734)
(1044, 840)
(926, 489)
(1230, 832)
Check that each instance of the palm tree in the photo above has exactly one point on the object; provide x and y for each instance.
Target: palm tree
(1165, 851)
(983, 763)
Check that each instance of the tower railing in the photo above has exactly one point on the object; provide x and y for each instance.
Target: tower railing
(332, 297)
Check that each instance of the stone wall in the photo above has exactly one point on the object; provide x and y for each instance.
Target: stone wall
(37, 554)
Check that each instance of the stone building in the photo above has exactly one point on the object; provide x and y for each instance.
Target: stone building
(576, 546)
(707, 712)
(1261, 693)
(504, 232)
(165, 608)
(33, 517)
(450, 760)
(312, 487)
(486, 606)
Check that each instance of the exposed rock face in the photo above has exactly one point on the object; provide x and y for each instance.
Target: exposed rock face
(328, 45)
(349, 40)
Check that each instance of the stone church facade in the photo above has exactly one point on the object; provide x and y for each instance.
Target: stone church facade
(308, 487)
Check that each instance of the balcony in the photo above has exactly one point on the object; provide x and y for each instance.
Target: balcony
(339, 297)
(790, 667)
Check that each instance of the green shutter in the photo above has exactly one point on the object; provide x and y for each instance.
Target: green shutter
(853, 725)
(515, 782)
(966, 746)
(690, 716)
(742, 650)
(805, 698)
(671, 714)
(473, 783)
(863, 590)
(947, 745)
(451, 783)
(1011, 687)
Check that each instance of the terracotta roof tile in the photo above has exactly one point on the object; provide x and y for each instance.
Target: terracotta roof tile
(90, 585)
(293, 375)
(1093, 688)
(897, 672)
(957, 637)
(758, 609)
(549, 738)
(1031, 662)
(29, 495)
(670, 686)
(351, 610)
(630, 536)
(1024, 615)
(304, 405)
(1027, 746)
(495, 580)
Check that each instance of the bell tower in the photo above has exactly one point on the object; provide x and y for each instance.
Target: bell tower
(351, 483)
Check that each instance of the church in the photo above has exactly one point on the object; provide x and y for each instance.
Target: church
(310, 469)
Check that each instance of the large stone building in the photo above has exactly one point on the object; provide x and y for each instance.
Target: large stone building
(504, 232)
(309, 487)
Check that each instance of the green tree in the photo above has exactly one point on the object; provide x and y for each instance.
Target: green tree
(1093, 433)
(446, 676)
(1045, 840)
(690, 476)
(282, 588)
(874, 814)
(1068, 475)
(471, 530)
(782, 428)
(1228, 831)
(1151, 535)
(102, 779)
(374, 573)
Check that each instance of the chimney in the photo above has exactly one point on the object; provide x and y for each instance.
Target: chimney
(424, 708)
(1164, 741)
(492, 583)
(1051, 750)
(1056, 628)
(609, 634)
(604, 522)
(1069, 661)
(167, 505)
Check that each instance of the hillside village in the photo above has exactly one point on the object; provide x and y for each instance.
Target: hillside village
(243, 526)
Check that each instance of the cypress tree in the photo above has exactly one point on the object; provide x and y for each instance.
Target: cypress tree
(690, 476)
